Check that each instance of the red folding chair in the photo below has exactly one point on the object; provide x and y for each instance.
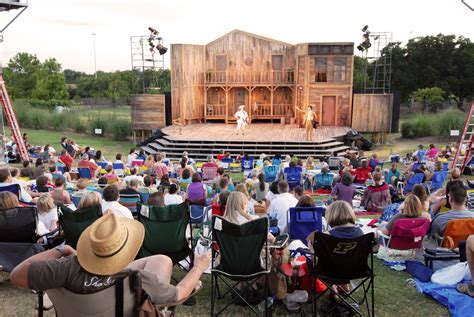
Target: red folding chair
(407, 234)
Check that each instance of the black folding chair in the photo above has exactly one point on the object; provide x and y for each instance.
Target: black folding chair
(240, 249)
(74, 222)
(338, 261)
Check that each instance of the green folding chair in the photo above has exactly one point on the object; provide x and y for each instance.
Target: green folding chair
(74, 222)
(165, 231)
(240, 249)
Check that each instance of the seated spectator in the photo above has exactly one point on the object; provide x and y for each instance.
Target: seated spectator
(443, 204)
(14, 172)
(305, 201)
(164, 183)
(468, 289)
(55, 173)
(156, 199)
(102, 182)
(197, 191)
(420, 191)
(309, 165)
(90, 199)
(325, 180)
(457, 200)
(85, 162)
(98, 157)
(412, 208)
(393, 175)
(172, 197)
(141, 155)
(133, 175)
(342, 221)
(354, 162)
(110, 203)
(260, 188)
(27, 171)
(149, 162)
(66, 159)
(159, 167)
(106, 248)
(42, 185)
(149, 187)
(432, 153)
(221, 155)
(118, 159)
(298, 192)
(253, 178)
(8, 201)
(236, 209)
(47, 212)
(230, 184)
(39, 169)
(376, 197)
(279, 206)
(363, 173)
(250, 202)
(374, 161)
(185, 178)
(131, 189)
(44, 155)
(344, 190)
(110, 175)
(81, 186)
(272, 192)
(131, 156)
(217, 179)
(60, 195)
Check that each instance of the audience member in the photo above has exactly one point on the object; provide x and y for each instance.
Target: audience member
(59, 195)
(90, 199)
(376, 197)
(110, 203)
(47, 212)
(156, 199)
(279, 206)
(27, 171)
(172, 197)
(8, 201)
(344, 190)
(260, 188)
(236, 209)
(412, 208)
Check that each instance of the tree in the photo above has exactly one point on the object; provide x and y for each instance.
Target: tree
(20, 75)
(50, 83)
(118, 89)
(461, 82)
(429, 98)
(72, 76)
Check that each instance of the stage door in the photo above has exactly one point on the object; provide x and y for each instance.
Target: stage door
(329, 111)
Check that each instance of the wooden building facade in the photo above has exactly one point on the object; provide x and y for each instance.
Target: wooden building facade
(271, 78)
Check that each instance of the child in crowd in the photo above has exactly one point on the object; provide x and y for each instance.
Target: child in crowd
(47, 212)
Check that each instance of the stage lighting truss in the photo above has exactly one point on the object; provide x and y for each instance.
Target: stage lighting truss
(155, 42)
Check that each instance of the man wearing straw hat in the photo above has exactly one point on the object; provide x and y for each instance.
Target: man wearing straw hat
(105, 248)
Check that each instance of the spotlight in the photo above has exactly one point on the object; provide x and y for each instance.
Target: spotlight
(376, 38)
(153, 31)
(360, 48)
(366, 35)
(365, 28)
(161, 49)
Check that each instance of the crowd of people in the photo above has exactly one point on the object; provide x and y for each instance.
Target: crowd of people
(352, 183)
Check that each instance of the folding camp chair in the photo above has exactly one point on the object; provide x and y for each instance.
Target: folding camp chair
(247, 165)
(276, 162)
(270, 173)
(303, 221)
(130, 201)
(137, 163)
(334, 163)
(122, 298)
(414, 180)
(197, 213)
(240, 248)
(76, 200)
(323, 181)
(13, 188)
(18, 238)
(338, 261)
(406, 234)
(456, 231)
(118, 168)
(160, 171)
(293, 176)
(166, 231)
(102, 165)
(421, 155)
(74, 222)
(85, 172)
(438, 180)
(208, 173)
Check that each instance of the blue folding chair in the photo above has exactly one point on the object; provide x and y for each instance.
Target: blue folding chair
(247, 165)
(13, 188)
(227, 160)
(118, 168)
(276, 162)
(84, 172)
(446, 166)
(303, 221)
(414, 180)
(438, 180)
(102, 164)
(270, 173)
(76, 200)
(197, 214)
(130, 201)
(421, 155)
(293, 176)
(394, 158)
(324, 180)
(61, 169)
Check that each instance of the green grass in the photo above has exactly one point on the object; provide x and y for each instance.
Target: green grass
(392, 298)
(122, 112)
(108, 146)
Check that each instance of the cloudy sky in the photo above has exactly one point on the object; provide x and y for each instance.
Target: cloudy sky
(63, 28)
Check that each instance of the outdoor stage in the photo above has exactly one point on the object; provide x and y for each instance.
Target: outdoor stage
(200, 140)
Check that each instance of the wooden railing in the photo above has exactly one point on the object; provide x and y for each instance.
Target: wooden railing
(265, 110)
(217, 110)
(286, 77)
(281, 109)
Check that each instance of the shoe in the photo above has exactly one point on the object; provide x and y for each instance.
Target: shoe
(467, 289)
(191, 301)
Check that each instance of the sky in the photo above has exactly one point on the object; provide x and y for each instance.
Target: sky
(63, 28)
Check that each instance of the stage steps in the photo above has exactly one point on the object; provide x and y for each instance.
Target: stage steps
(200, 150)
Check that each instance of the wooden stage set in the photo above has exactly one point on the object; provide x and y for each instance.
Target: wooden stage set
(201, 140)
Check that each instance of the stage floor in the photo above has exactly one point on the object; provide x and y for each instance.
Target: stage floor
(258, 132)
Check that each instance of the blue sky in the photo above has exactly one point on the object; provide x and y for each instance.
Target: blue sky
(63, 28)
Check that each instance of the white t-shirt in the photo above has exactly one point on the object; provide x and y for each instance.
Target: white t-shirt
(173, 199)
(279, 209)
(20, 182)
(117, 209)
(128, 178)
(270, 196)
(48, 218)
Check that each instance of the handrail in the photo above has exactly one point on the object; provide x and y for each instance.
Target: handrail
(252, 77)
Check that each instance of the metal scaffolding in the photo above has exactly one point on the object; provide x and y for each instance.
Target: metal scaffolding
(378, 63)
(145, 63)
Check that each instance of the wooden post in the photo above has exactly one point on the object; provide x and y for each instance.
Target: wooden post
(205, 104)
(271, 103)
(226, 105)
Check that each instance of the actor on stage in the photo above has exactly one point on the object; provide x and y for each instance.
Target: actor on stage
(242, 119)
(310, 118)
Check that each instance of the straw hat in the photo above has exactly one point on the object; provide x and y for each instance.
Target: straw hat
(241, 107)
(108, 245)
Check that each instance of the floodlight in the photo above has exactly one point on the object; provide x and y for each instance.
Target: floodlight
(365, 28)
(161, 49)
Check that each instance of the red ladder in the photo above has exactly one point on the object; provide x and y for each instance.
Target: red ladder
(12, 122)
(466, 141)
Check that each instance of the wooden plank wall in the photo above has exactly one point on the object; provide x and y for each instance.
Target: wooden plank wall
(187, 80)
(343, 106)
(148, 112)
(372, 112)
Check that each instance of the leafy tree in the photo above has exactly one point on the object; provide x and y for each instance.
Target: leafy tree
(429, 98)
(118, 89)
(20, 75)
(50, 83)
(72, 76)
(87, 87)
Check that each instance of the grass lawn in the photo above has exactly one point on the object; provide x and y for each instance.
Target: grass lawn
(122, 112)
(108, 146)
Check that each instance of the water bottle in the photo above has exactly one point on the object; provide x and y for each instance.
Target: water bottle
(268, 302)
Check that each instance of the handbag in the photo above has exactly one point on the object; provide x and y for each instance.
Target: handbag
(315, 124)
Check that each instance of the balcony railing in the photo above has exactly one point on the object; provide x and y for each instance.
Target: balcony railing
(217, 110)
(286, 77)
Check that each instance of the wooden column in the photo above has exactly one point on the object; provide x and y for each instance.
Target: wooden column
(271, 103)
(205, 104)
(226, 104)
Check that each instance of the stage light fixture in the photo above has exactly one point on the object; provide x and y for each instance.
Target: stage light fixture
(365, 28)
(376, 38)
(360, 48)
(161, 49)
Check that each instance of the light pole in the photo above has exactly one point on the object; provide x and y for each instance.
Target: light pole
(95, 60)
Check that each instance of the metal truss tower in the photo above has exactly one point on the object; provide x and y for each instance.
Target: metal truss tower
(146, 61)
